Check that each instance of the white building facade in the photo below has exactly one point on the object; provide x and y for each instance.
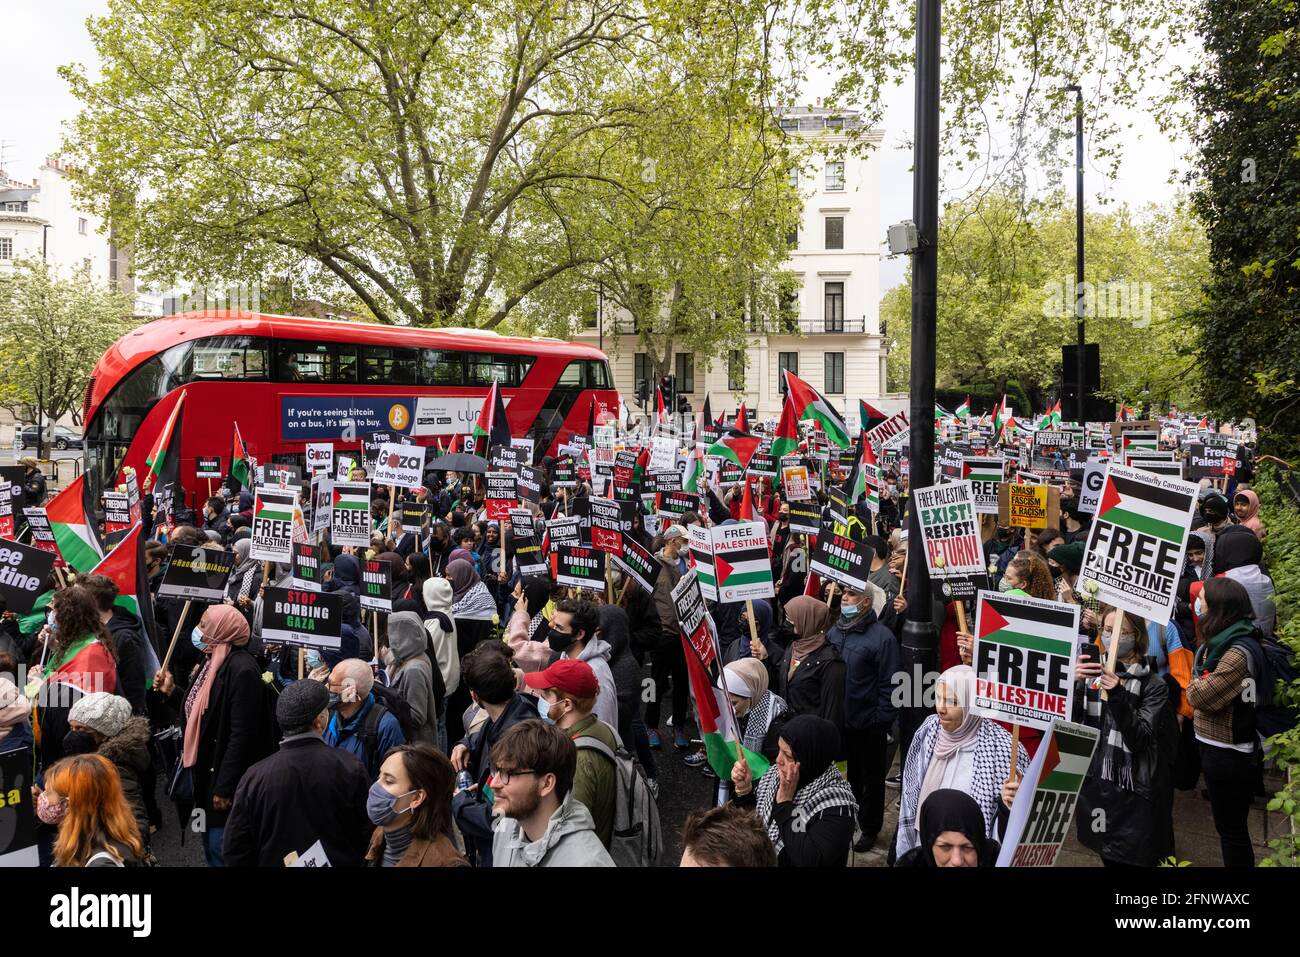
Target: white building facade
(829, 331)
(42, 220)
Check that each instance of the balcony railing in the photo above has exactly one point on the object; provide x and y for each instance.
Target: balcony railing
(800, 325)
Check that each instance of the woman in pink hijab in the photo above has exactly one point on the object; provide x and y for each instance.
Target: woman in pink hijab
(1246, 506)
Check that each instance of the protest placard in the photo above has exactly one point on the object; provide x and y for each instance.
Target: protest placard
(805, 518)
(302, 618)
(985, 474)
(606, 525)
(42, 535)
(673, 505)
(117, 516)
(208, 467)
(636, 561)
(23, 573)
(376, 584)
(273, 523)
(502, 494)
(1094, 478)
(950, 530)
(196, 574)
(344, 464)
(891, 428)
(1024, 658)
(399, 465)
(530, 484)
(664, 482)
(504, 458)
(1209, 459)
(304, 569)
(564, 475)
(320, 457)
(18, 842)
(1155, 466)
(762, 464)
(1042, 814)
(693, 616)
(564, 531)
(700, 544)
(322, 501)
(350, 514)
(1022, 505)
(794, 480)
(841, 559)
(580, 567)
(1137, 542)
(741, 561)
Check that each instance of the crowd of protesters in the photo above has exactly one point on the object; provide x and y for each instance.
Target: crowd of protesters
(491, 718)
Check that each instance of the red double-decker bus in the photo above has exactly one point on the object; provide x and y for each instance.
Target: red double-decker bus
(290, 381)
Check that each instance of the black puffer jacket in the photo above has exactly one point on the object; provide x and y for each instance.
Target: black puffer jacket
(817, 686)
(129, 752)
(627, 673)
(1133, 827)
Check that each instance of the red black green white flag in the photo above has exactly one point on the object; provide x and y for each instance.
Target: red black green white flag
(812, 405)
(736, 447)
(164, 461)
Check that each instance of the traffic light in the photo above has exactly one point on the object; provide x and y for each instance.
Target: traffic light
(669, 386)
(683, 405)
(642, 392)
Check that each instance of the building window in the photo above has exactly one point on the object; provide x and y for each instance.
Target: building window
(835, 373)
(81, 225)
(736, 371)
(642, 369)
(834, 232)
(786, 361)
(685, 372)
(16, 207)
(834, 316)
(794, 176)
(792, 238)
(835, 176)
(6, 248)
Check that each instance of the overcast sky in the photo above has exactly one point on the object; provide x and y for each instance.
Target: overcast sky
(35, 103)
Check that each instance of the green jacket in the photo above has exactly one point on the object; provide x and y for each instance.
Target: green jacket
(594, 783)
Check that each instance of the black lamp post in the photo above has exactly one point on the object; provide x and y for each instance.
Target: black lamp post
(1079, 299)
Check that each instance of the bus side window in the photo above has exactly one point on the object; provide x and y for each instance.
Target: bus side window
(571, 377)
(442, 367)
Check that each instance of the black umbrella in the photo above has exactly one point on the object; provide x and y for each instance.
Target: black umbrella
(458, 462)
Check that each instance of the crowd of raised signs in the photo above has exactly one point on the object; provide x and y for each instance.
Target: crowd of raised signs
(396, 663)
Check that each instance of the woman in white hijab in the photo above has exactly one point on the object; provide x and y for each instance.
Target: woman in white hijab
(956, 748)
(756, 707)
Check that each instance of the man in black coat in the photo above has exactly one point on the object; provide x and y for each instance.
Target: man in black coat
(304, 793)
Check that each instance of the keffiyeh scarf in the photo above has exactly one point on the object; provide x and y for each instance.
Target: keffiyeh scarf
(829, 790)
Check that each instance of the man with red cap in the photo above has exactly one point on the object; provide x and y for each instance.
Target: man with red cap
(566, 693)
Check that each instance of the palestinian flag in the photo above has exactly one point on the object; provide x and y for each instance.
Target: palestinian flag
(241, 464)
(1052, 418)
(963, 410)
(1204, 423)
(127, 566)
(810, 404)
(736, 447)
(695, 471)
(660, 416)
(275, 507)
(786, 439)
(1160, 512)
(492, 424)
(979, 469)
(1056, 415)
(856, 484)
(705, 418)
(72, 520)
(999, 420)
(713, 708)
(164, 461)
(1027, 623)
(747, 567)
(350, 500)
(742, 419)
(747, 503)
(869, 416)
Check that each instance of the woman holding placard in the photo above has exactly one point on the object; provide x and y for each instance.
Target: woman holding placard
(956, 748)
(1125, 809)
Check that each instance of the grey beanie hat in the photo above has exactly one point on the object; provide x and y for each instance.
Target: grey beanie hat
(103, 712)
(299, 703)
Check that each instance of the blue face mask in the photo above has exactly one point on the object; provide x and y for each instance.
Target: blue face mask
(314, 660)
(196, 638)
(544, 710)
(51, 622)
(848, 611)
(1004, 584)
(379, 805)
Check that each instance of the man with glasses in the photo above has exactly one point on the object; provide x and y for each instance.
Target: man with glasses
(539, 822)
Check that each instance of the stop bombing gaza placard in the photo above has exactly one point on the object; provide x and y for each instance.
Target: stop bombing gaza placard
(1137, 542)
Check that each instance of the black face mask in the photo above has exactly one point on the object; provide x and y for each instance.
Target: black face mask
(79, 742)
(559, 641)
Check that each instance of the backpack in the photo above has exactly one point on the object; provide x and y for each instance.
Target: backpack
(637, 840)
(1271, 662)
(386, 700)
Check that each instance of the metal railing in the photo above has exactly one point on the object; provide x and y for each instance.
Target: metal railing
(792, 326)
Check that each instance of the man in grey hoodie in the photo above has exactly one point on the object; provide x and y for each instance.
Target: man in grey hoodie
(573, 634)
(538, 822)
(411, 673)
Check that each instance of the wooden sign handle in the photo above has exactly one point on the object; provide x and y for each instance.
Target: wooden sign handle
(1113, 651)
(185, 613)
(1015, 750)
(755, 646)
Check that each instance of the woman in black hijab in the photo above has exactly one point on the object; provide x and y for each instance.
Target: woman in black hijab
(952, 833)
(803, 800)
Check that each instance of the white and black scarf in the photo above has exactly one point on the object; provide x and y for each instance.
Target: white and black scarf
(1116, 758)
(829, 790)
(759, 718)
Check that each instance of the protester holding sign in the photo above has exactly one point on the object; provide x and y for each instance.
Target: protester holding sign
(1129, 786)
(956, 748)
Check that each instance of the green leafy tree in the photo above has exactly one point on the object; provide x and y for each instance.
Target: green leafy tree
(1006, 298)
(1247, 112)
(439, 162)
(54, 328)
